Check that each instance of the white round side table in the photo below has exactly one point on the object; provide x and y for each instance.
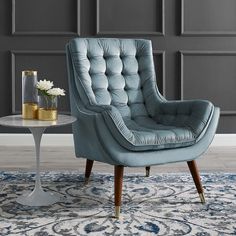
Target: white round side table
(38, 197)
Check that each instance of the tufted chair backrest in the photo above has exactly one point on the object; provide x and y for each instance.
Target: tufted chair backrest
(118, 72)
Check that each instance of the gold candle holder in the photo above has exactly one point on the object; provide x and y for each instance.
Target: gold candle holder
(47, 114)
(29, 94)
(29, 110)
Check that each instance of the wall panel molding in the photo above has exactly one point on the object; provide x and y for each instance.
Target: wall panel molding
(100, 31)
(47, 33)
(204, 53)
(185, 32)
(163, 78)
(15, 53)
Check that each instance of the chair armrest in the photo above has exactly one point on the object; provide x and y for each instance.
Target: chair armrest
(99, 108)
(117, 126)
(108, 114)
(111, 115)
(78, 109)
(195, 114)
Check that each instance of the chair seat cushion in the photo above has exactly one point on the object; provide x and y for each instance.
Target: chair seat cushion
(152, 135)
(143, 133)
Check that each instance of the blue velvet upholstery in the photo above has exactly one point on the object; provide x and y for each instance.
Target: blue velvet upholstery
(122, 117)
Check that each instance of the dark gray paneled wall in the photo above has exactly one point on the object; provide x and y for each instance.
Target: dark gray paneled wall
(194, 45)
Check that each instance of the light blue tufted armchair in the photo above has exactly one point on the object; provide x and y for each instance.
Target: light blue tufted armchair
(123, 120)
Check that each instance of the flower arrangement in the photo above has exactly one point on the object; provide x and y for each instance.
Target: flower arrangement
(45, 88)
(48, 99)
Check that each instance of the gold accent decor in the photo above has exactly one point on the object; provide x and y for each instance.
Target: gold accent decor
(147, 171)
(202, 197)
(47, 114)
(117, 212)
(29, 110)
(29, 73)
(86, 181)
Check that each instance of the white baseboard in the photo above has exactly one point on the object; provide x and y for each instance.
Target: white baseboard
(27, 140)
(225, 140)
(67, 140)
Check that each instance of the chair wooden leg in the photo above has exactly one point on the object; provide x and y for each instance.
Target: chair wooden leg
(196, 178)
(147, 171)
(119, 172)
(88, 169)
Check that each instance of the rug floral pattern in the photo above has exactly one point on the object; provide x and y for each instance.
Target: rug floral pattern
(159, 205)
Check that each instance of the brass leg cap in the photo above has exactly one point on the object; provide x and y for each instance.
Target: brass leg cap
(117, 212)
(202, 198)
(86, 181)
(148, 171)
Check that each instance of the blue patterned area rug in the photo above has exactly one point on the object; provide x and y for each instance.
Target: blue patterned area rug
(165, 204)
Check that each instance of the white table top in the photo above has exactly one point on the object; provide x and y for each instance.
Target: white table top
(17, 121)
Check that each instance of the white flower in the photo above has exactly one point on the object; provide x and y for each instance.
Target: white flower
(56, 92)
(44, 85)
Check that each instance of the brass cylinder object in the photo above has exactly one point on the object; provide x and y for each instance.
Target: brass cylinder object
(29, 94)
(47, 114)
(29, 73)
(117, 212)
(202, 198)
(29, 110)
